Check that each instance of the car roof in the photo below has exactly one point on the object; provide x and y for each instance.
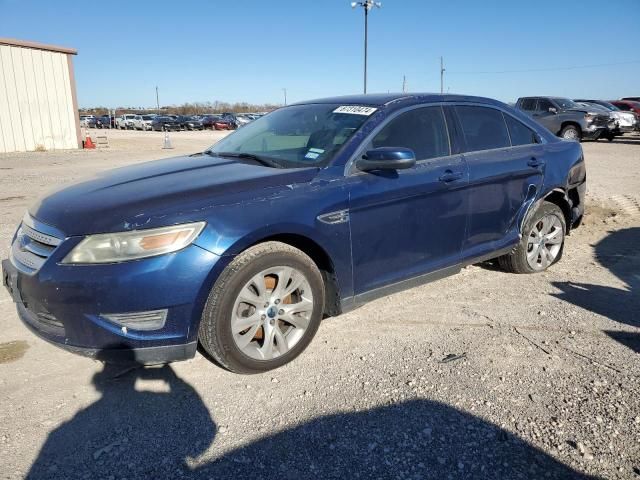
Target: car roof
(381, 99)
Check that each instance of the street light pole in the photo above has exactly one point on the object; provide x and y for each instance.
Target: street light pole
(366, 5)
(285, 96)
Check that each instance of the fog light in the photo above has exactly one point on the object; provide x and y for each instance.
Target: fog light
(151, 320)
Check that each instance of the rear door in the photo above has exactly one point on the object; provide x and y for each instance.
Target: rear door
(408, 222)
(506, 165)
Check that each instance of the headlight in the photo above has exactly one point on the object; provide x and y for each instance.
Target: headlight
(123, 246)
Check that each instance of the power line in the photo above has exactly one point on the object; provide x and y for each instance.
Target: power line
(553, 69)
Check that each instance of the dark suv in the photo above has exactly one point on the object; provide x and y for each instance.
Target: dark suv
(309, 211)
(565, 118)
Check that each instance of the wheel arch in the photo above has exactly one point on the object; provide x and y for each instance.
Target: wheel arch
(560, 198)
(320, 257)
(567, 123)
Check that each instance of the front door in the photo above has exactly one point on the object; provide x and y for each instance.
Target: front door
(408, 222)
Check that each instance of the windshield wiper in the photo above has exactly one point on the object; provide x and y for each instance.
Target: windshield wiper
(261, 160)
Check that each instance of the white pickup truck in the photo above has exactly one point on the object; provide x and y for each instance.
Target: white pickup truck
(125, 122)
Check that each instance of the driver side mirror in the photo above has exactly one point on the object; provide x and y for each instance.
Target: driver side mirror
(387, 158)
(553, 110)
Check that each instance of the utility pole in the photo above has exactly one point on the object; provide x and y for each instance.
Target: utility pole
(442, 69)
(404, 84)
(366, 5)
(157, 101)
(285, 96)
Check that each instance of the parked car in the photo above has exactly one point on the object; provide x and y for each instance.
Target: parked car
(190, 122)
(627, 105)
(125, 121)
(612, 129)
(310, 211)
(243, 119)
(635, 99)
(565, 118)
(214, 122)
(163, 123)
(626, 121)
(88, 121)
(143, 122)
(231, 119)
(103, 121)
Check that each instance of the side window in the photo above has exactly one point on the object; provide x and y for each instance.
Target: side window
(544, 105)
(519, 132)
(423, 130)
(484, 128)
(528, 104)
(623, 106)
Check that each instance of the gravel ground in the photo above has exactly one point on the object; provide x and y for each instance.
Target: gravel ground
(481, 375)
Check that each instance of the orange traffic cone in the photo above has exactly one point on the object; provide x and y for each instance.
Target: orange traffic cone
(88, 143)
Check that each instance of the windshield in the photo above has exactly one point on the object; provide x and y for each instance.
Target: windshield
(296, 136)
(566, 103)
(609, 106)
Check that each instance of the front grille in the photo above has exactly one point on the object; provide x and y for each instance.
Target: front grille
(601, 120)
(32, 247)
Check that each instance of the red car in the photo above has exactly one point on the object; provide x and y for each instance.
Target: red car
(214, 122)
(627, 105)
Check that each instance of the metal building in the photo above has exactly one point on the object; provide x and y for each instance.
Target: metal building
(38, 104)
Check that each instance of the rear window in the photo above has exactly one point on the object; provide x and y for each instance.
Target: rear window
(483, 128)
(519, 132)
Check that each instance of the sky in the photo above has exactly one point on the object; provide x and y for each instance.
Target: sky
(249, 50)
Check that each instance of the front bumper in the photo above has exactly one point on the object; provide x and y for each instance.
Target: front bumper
(65, 304)
(592, 132)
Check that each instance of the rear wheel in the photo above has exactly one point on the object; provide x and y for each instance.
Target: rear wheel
(541, 244)
(263, 310)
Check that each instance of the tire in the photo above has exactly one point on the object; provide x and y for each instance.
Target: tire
(239, 353)
(571, 132)
(521, 259)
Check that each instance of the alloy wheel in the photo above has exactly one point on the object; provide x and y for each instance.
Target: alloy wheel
(272, 312)
(545, 242)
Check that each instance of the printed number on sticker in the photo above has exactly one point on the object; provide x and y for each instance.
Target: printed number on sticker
(355, 110)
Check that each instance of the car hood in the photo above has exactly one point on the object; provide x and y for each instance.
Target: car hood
(159, 193)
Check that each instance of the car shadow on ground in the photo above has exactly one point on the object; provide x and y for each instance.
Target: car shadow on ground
(418, 439)
(132, 434)
(628, 140)
(131, 431)
(619, 252)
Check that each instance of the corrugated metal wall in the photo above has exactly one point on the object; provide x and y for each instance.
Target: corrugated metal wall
(36, 103)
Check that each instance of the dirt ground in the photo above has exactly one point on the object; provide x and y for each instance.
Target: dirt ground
(481, 375)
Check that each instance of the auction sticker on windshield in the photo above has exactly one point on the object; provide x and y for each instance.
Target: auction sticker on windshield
(355, 110)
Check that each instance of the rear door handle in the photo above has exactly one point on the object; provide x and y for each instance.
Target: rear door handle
(534, 162)
(450, 176)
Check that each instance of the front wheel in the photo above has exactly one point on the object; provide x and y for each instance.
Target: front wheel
(571, 132)
(542, 242)
(263, 310)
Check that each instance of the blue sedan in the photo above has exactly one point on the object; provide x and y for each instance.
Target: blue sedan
(309, 211)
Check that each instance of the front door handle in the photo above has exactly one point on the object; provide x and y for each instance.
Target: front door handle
(535, 162)
(450, 176)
